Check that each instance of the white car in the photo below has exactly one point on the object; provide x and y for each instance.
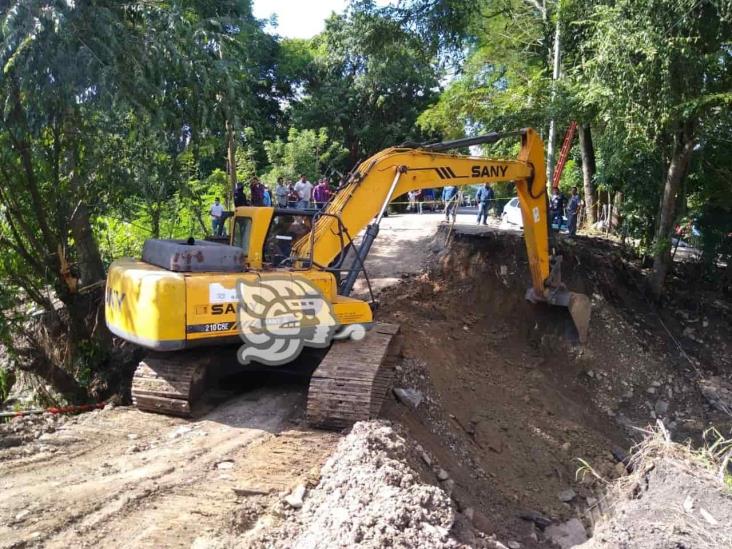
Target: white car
(512, 213)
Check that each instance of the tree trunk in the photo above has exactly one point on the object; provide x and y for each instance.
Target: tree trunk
(587, 151)
(155, 221)
(91, 268)
(231, 161)
(680, 158)
(37, 363)
(552, 123)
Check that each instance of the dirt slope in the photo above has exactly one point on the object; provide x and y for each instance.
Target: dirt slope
(512, 407)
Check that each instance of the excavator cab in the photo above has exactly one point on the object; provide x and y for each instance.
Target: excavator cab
(267, 235)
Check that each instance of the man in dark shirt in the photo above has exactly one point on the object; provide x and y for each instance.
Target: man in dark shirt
(572, 209)
(240, 199)
(556, 207)
(257, 192)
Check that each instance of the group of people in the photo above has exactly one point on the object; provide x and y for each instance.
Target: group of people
(304, 195)
(484, 198)
(287, 194)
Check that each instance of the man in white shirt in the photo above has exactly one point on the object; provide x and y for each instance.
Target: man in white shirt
(217, 218)
(304, 190)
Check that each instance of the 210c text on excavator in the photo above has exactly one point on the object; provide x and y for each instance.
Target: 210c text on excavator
(181, 297)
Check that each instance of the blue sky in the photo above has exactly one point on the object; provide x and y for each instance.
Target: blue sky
(300, 18)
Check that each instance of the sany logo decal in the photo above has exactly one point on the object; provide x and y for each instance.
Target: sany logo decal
(114, 298)
(279, 316)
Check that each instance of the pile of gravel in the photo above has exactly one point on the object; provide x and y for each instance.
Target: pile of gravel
(369, 496)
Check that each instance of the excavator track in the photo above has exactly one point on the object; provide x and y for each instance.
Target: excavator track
(168, 384)
(352, 381)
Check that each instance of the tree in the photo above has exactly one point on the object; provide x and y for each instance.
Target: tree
(305, 152)
(98, 101)
(659, 69)
(368, 82)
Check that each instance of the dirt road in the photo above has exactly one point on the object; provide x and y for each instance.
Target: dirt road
(121, 478)
(402, 248)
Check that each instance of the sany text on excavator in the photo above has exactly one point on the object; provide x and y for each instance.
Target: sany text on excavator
(183, 297)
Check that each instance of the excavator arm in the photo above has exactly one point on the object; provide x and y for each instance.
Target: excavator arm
(362, 200)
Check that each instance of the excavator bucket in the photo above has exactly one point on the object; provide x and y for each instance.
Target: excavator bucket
(578, 304)
(580, 309)
(556, 293)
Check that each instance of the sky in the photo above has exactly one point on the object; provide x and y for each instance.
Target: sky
(300, 18)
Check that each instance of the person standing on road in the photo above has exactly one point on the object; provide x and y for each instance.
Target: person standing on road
(412, 197)
(556, 207)
(304, 191)
(267, 197)
(217, 217)
(572, 207)
(281, 193)
(292, 197)
(484, 198)
(449, 197)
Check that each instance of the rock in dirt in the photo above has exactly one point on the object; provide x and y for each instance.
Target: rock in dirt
(409, 397)
(368, 496)
(718, 393)
(442, 474)
(537, 518)
(567, 495)
(567, 534)
(296, 498)
(661, 407)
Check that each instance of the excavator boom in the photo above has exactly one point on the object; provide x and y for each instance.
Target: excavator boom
(395, 171)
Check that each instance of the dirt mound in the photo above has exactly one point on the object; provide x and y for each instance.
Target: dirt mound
(369, 496)
(674, 498)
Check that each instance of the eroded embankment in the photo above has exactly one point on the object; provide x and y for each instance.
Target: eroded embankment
(531, 424)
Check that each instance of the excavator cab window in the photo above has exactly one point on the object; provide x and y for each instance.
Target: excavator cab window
(242, 233)
(286, 229)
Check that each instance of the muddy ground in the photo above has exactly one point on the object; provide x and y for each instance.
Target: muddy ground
(512, 420)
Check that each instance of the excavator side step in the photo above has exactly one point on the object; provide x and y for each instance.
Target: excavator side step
(168, 385)
(352, 381)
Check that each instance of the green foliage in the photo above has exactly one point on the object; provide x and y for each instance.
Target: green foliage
(306, 152)
(368, 81)
(571, 177)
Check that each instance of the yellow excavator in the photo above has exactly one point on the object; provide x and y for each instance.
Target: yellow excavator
(183, 297)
